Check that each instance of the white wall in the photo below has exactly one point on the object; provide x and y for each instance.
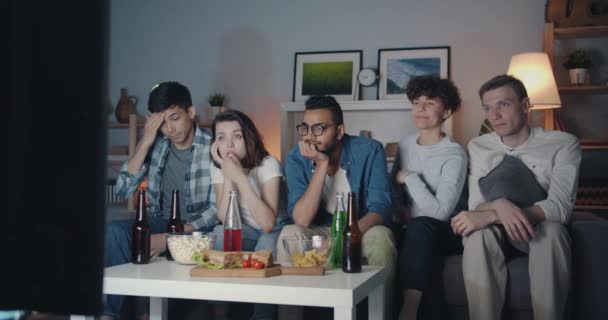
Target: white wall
(246, 48)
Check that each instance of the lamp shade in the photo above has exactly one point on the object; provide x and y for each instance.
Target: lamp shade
(534, 70)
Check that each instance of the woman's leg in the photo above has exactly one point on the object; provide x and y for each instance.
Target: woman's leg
(267, 241)
(421, 262)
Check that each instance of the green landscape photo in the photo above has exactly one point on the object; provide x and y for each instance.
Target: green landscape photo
(333, 78)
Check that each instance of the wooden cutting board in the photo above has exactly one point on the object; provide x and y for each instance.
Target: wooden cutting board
(306, 271)
(256, 273)
(239, 272)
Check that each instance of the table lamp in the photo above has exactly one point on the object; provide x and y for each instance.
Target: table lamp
(534, 70)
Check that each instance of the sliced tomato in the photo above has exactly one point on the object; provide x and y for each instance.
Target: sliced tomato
(246, 264)
(258, 264)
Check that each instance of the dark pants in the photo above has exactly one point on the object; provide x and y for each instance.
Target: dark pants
(118, 251)
(426, 243)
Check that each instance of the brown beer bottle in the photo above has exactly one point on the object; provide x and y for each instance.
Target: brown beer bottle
(140, 245)
(352, 239)
(175, 224)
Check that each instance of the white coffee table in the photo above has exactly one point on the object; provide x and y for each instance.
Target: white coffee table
(162, 279)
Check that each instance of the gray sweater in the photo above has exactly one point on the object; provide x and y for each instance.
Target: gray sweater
(437, 176)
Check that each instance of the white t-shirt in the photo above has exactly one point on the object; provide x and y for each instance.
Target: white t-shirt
(268, 169)
(333, 184)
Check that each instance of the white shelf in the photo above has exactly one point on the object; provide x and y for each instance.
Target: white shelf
(360, 105)
(388, 120)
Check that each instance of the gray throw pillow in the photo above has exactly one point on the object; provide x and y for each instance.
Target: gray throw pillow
(513, 180)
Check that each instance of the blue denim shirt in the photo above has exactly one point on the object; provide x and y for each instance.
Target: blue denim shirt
(364, 161)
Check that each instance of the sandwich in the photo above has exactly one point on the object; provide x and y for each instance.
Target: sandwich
(264, 256)
(213, 259)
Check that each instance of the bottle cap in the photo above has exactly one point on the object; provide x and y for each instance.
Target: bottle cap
(317, 241)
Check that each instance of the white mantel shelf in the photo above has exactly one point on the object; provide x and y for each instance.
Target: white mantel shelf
(388, 120)
(362, 105)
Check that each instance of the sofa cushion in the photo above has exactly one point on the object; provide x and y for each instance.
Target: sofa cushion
(589, 280)
(590, 262)
(513, 180)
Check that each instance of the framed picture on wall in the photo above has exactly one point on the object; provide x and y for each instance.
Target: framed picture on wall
(330, 72)
(398, 66)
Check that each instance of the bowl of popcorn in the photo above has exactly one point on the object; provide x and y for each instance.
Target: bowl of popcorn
(306, 252)
(183, 246)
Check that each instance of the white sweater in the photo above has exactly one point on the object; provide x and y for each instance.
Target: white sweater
(553, 156)
(437, 176)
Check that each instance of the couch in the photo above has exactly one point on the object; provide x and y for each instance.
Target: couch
(587, 299)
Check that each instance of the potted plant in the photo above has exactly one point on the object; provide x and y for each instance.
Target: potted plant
(217, 99)
(216, 102)
(578, 64)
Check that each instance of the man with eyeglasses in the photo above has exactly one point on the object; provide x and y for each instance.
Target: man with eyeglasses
(327, 161)
(522, 188)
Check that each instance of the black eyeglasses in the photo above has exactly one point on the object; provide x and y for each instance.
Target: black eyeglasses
(316, 129)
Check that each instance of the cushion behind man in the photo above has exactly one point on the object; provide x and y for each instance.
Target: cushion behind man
(513, 180)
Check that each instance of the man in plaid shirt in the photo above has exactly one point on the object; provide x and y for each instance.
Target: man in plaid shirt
(173, 154)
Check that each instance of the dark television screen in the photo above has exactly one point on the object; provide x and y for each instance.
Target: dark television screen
(51, 237)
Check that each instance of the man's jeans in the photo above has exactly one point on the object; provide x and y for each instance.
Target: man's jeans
(118, 251)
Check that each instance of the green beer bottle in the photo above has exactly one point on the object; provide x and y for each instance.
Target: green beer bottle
(337, 228)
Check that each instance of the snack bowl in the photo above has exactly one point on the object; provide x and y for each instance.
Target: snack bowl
(183, 246)
(306, 252)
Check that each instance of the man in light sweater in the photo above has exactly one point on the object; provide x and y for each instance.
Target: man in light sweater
(515, 151)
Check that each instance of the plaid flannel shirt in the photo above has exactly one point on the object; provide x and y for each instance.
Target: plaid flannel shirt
(199, 197)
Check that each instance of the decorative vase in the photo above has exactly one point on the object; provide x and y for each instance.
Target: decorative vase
(125, 106)
(578, 76)
(215, 110)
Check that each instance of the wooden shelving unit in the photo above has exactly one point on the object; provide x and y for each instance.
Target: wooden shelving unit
(552, 34)
(563, 33)
(583, 89)
(585, 207)
(594, 144)
(116, 125)
(581, 32)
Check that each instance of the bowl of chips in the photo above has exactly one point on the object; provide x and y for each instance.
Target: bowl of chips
(306, 252)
